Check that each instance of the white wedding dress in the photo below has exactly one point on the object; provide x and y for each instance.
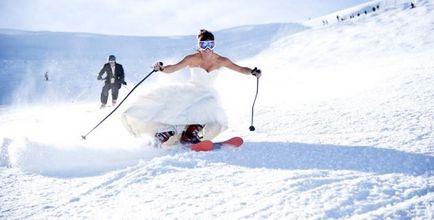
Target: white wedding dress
(173, 106)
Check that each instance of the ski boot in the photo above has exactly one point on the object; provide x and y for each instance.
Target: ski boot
(164, 136)
(191, 134)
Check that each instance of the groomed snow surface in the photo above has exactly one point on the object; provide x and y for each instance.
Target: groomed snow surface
(344, 129)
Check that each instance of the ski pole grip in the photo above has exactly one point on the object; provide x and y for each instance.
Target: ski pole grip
(255, 71)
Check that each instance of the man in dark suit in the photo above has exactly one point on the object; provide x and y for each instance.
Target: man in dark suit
(113, 80)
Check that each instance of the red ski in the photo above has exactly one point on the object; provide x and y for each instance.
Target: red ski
(208, 145)
(232, 142)
(203, 146)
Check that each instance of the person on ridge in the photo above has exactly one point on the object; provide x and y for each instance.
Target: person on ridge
(114, 78)
(188, 112)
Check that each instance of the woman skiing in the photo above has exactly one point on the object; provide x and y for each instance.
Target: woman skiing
(188, 112)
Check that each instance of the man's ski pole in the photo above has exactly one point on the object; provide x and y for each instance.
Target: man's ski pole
(84, 136)
(252, 128)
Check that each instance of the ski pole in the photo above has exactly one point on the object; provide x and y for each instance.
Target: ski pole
(84, 136)
(252, 128)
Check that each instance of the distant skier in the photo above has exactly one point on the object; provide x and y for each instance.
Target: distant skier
(46, 76)
(185, 112)
(113, 80)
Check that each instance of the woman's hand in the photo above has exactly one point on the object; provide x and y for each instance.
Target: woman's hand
(158, 66)
(256, 72)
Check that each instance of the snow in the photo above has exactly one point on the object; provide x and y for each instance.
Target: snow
(344, 127)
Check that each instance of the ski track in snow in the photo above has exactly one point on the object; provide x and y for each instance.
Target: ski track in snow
(336, 137)
(209, 185)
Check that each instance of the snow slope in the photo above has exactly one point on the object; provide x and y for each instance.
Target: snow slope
(72, 60)
(344, 129)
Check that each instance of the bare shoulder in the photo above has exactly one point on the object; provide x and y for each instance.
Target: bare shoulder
(193, 55)
(223, 60)
(190, 59)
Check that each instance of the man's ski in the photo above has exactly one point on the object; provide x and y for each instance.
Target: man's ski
(208, 145)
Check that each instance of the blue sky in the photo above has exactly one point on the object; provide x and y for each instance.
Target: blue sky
(157, 17)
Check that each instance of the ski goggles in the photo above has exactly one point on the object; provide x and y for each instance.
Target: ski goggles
(208, 44)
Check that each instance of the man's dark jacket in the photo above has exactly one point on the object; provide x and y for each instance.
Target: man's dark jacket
(118, 75)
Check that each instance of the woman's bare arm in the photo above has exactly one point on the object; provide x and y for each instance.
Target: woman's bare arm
(186, 61)
(226, 62)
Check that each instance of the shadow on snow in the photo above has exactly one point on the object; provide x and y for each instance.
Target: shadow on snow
(291, 156)
(51, 161)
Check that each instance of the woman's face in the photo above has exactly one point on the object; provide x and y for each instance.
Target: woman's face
(206, 45)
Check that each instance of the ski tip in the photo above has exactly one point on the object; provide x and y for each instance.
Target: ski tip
(235, 141)
(83, 137)
(240, 139)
